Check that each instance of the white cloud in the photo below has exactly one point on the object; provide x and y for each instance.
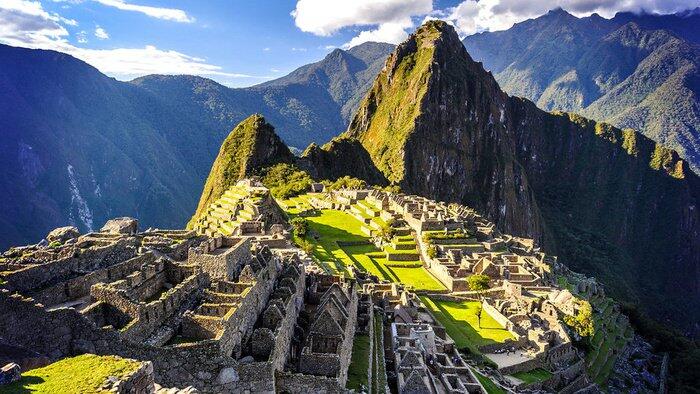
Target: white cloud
(26, 24)
(266, 49)
(171, 14)
(393, 32)
(81, 36)
(295, 49)
(101, 33)
(472, 16)
(387, 20)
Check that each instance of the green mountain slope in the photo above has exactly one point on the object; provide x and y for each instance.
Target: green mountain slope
(609, 202)
(632, 71)
(251, 145)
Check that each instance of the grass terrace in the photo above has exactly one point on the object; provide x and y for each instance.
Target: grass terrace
(359, 365)
(330, 227)
(81, 374)
(536, 375)
(462, 324)
(489, 385)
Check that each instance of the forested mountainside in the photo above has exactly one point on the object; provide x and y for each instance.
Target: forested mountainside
(312, 104)
(79, 147)
(609, 202)
(634, 71)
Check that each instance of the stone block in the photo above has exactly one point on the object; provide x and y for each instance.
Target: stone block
(10, 373)
(123, 225)
(63, 234)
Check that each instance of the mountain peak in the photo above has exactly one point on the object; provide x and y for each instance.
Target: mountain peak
(251, 146)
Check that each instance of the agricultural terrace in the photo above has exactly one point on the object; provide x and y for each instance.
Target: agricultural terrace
(462, 323)
(339, 243)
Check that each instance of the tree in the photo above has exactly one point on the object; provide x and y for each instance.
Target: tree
(388, 230)
(306, 246)
(582, 323)
(479, 284)
(299, 227)
(432, 251)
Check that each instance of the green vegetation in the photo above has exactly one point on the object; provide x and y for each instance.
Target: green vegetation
(240, 154)
(54, 244)
(81, 374)
(345, 182)
(536, 375)
(582, 323)
(299, 227)
(285, 180)
(359, 365)
(393, 104)
(429, 236)
(328, 228)
(489, 386)
(462, 323)
(378, 362)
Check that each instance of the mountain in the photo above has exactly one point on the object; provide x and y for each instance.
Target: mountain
(251, 145)
(609, 202)
(636, 71)
(79, 147)
(312, 104)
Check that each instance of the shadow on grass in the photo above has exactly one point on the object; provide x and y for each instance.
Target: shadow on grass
(20, 386)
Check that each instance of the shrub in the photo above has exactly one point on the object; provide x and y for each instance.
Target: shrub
(306, 246)
(582, 323)
(299, 227)
(286, 180)
(345, 182)
(432, 251)
(54, 244)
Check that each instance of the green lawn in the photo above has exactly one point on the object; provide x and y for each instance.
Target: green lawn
(332, 226)
(81, 374)
(359, 365)
(536, 375)
(490, 386)
(462, 324)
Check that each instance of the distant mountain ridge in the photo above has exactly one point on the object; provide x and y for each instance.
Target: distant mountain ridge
(634, 71)
(313, 103)
(79, 147)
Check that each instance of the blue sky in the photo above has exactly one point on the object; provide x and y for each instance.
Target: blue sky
(244, 42)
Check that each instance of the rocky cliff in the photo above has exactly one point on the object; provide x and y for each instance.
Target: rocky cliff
(611, 203)
(251, 145)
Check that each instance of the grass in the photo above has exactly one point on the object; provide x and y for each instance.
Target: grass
(81, 374)
(378, 363)
(332, 226)
(359, 365)
(462, 324)
(489, 386)
(536, 375)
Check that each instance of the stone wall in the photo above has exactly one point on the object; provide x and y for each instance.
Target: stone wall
(295, 383)
(33, 279)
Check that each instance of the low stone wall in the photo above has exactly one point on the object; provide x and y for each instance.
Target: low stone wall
(138, 382)
(294, 383)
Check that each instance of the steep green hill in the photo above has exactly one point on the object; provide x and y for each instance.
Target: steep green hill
(637, 71)
(250, 146)
(609, 202)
